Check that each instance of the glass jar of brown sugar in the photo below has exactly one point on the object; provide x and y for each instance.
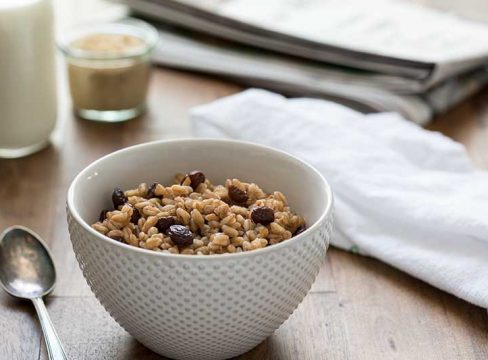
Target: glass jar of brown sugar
(109, 68)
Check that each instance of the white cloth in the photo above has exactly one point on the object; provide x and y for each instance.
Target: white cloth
(405, 195)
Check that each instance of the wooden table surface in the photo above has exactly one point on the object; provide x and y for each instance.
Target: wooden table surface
(359, 308)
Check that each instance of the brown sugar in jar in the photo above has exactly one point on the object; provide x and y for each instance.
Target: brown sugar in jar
(109, 73)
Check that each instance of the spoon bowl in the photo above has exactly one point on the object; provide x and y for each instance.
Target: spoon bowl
(26, 267)
(27, 271)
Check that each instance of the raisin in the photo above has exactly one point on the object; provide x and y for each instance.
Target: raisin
(118, 197)
(196, 178)
(103, 215)
(136, 215)
(164, 224)
(151, 191)
(300, 229)
(180, 235)
(262, 215)
(237, 195)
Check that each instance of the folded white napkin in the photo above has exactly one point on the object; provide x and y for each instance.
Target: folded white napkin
(405, 195)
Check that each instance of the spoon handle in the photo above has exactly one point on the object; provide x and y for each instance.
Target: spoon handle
(54, 347)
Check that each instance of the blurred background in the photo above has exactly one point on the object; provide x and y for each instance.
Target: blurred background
(364, 55)
(72, 12)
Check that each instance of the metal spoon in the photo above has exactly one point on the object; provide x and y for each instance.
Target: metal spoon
(27, 272)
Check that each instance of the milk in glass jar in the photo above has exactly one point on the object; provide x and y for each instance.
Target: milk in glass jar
(27, 76)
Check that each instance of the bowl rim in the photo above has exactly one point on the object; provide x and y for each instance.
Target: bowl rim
(74, 213)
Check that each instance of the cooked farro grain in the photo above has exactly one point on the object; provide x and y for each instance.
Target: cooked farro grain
(195, 217)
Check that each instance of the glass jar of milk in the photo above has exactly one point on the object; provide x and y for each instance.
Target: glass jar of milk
(27, 76)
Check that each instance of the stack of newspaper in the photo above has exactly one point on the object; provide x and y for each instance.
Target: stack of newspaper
(375, 55)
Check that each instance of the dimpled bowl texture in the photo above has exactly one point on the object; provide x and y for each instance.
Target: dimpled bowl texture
(200, 307)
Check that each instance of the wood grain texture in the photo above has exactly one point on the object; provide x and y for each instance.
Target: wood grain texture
(19, 339)
(390, 315)
(88, 332)
(359, 308)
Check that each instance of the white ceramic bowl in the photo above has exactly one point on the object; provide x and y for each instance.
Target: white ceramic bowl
(200, 307)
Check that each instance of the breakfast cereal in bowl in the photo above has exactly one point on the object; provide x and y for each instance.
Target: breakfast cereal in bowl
(195, 217)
